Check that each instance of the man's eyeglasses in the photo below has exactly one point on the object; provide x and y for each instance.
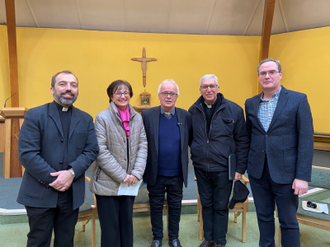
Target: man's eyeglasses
(271, 73)
(165, 94)
(212, 86)
(120, 94)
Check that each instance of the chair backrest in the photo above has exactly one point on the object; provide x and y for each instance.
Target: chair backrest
(320, 177)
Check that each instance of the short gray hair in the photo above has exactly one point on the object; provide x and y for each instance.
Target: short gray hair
(208, 76)
(166, 81)
(270, 60)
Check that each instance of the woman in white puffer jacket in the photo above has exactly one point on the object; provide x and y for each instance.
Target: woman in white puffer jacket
(122, 159)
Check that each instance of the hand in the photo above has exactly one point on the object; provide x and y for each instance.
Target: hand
(132, 180)
(63, 181)
(238, 176)
(126, 179)
(300, 187)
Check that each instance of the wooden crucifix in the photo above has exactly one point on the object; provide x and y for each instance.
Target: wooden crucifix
(144, 61)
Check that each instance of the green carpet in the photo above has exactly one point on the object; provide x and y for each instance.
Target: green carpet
(14, 235)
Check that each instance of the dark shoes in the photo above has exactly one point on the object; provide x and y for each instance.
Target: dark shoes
(156, 243)
(207, 244)
(219, 245)
(174, 243)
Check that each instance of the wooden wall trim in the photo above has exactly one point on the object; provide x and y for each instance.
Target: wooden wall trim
(266, 32)
(12, 51)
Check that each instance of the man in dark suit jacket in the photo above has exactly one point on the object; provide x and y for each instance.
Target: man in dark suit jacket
(56, 145)
(280, 126)
(167, 128)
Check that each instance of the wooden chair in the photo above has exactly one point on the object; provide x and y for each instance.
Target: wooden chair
(240, 208)
(141, 204)
(320, 179)
(87, 213)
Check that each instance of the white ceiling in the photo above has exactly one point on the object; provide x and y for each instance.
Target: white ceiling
(221, 17)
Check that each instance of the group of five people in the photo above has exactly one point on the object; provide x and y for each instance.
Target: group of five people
(58, 142)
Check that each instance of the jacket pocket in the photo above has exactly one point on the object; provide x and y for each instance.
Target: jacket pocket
(81, 140)
(290, 159)
(34, 189)
(228, 125)
(97, 173)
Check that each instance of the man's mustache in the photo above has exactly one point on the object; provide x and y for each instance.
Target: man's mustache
(67, 93)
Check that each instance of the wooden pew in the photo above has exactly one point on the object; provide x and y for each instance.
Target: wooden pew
(322, 138)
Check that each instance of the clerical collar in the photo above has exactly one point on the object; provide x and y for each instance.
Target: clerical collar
(62, 108)
(209, 106)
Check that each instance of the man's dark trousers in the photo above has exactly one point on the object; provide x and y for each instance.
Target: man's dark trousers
(62, 218)
(214, 190)
(173, 188)
(265, 193)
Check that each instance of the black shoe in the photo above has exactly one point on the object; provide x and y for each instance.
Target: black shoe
(174, 243)
(156, 243)
(207, 243)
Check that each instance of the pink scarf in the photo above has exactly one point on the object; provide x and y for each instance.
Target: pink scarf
(125, 116)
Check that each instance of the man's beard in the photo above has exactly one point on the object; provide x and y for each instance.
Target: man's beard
(63, 101)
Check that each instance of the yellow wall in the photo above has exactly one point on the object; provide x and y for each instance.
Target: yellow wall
(4, 67)
(305, 58)
(98, 58)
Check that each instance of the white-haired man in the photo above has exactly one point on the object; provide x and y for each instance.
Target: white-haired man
(167, 128)
(218, 130)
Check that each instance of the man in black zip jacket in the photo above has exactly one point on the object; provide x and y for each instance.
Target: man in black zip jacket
(218, 130)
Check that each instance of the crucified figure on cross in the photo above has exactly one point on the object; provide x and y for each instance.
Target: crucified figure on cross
(144, 61)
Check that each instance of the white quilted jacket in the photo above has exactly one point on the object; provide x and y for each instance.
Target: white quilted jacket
(110, 167)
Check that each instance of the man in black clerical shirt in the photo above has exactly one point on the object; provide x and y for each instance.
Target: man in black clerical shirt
(57, 144)
(218, 130)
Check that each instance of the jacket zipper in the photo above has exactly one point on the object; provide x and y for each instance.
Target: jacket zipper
(207, 139)
(208, 135)
(127, 139)
(127, 155)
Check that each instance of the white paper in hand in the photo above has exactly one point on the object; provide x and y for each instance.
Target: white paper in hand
(132, 190)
